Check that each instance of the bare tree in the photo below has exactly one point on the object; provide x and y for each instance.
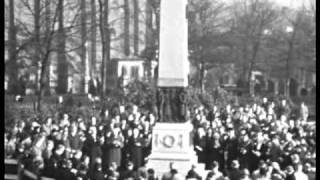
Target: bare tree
(93, 35)
(126, 28)
(11, 66)
(136, 27)
(252, 18)
(62, 61)
(83, 32)
(105, 36)
(207, 25)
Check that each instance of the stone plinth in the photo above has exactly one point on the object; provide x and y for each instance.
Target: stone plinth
(172, 142)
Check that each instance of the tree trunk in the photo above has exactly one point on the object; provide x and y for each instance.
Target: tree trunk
(289, 57)
(44, 61)
(83, 32)
(37, 50)
(48, 29)
(201, 75)
(93, 36)
(104, 31)
(148, 35)
(12, 45)
(148, 38)
(126, 28)
(136, 26)
(107, 41)
(62, 62)
(252, 63)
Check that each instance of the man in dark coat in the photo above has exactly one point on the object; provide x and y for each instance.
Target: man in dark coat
(63, 172)
(244, 149)
(283, 109)
(96, 173)
(231, 147)
(200, 144)
(112, 147)
(82, 173)
(256, 149)
(290, 173)
(213, 149)
(74, 138)
(192, 174)
(91, 146)
(264, 104)
(76, 159)
(129, 172)
(135, 144)
(234, 173)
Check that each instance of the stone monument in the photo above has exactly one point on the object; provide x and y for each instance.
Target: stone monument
(172, 134)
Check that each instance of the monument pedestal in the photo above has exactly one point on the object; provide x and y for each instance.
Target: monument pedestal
(172, 142)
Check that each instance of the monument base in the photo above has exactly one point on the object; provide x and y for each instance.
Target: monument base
(172, 142)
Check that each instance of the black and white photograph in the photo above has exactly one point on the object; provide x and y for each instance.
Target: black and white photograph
(159, 89)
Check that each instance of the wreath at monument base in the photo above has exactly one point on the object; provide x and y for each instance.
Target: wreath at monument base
(168, 141)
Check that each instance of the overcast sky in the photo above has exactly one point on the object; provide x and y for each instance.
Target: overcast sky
(293, 3)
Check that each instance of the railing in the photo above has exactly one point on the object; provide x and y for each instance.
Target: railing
(15, 171)
(11, 169)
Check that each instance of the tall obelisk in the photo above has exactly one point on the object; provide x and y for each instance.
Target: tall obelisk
(171, 136)
(173, 61)
(173, 50)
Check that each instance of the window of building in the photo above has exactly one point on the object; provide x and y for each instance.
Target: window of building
(124, 71)
(134, 72)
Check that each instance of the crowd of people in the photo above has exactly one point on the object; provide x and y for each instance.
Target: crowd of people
(258, 141)
(256, 136)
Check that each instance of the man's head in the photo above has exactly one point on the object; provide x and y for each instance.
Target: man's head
(307, 167)
(172, 165)
(235, 164)
(130, 166)
(283, 102)
(244, 173)
(264, 100)
(93, 120)
(214, 165)
(150, 172)
(289, 170)
(78, 154)
(299, 167)
(65, 116)
(50, 145)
